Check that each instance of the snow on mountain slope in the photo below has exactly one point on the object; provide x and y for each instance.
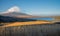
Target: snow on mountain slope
(15, 11)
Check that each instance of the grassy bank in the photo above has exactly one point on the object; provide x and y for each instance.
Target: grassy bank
(31, 30)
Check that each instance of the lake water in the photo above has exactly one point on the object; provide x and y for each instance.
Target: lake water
(43, 19)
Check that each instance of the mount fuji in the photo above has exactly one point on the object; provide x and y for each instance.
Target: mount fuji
(16, 12)
(14, 15)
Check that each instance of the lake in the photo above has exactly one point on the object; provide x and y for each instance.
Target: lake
(43, 19)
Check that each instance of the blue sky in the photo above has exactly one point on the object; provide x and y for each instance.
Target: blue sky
(34, 7)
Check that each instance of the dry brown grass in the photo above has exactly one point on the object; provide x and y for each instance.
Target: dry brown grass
(26, 23)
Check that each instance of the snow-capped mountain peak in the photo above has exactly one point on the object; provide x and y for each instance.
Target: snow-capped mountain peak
(14, 9)
(16, 12)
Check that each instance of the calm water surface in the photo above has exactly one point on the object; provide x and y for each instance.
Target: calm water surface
(43, 18)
